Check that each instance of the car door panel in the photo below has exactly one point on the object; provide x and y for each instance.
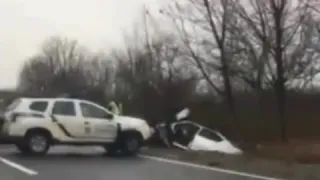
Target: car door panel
(101, 129)
(96, 120)
(208, 140)
(69, 126)
(184, 133)
(202, 143)
(65, 115)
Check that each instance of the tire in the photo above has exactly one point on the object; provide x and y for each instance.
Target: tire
(23, 148)
(131, 144)
(37, 143)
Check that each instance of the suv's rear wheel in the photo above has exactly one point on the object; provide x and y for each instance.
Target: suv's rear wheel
(38, 143)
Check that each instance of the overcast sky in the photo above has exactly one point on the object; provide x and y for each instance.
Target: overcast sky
(98, 24)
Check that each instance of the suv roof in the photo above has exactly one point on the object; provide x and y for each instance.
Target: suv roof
(26, 103)
(53, 99)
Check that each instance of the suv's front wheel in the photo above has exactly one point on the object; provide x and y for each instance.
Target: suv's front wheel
(37, 143)
(131, 144)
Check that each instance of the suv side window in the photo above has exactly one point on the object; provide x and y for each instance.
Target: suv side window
(91, 111)
(210, 135)
(65, 108)
(40, 106)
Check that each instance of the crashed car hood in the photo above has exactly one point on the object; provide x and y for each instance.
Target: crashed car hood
(130, 120)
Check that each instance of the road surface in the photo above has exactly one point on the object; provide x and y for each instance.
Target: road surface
(88, 163)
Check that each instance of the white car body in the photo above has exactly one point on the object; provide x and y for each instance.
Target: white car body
(203, 139)
(23, 115)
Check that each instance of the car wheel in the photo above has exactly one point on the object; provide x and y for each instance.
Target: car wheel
(38, 143)
(131, 145)
(23, 148)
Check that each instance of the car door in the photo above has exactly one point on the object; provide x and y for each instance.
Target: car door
(184, 133)
(66, 116)
(210, 140)
(207, 140)
(99, 122)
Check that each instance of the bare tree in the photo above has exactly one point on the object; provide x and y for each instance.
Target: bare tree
(255, 40)
(204, 30)
(63, 66)
(150, 73)
(53, 67)
(276, 43)
(35, 75)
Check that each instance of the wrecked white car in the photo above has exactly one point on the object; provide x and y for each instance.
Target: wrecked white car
(189, 135)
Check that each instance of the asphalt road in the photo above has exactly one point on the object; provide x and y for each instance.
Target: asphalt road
(89, 163)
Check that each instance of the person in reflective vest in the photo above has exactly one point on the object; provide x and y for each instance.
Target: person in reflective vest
(114, 108)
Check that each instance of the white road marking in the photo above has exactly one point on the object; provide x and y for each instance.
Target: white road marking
(226, 171)
(18, 167)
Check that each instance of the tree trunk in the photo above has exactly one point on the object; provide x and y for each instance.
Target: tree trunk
(281, 102)
(280, 88)
(229, 93)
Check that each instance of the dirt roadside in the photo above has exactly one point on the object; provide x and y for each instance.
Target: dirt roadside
(245, 163)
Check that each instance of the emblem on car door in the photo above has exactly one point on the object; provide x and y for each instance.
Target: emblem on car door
(87, 130)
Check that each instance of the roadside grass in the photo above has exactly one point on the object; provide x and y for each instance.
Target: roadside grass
(296, 151)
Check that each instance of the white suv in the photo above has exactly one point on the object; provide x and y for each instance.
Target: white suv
(35, 124)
